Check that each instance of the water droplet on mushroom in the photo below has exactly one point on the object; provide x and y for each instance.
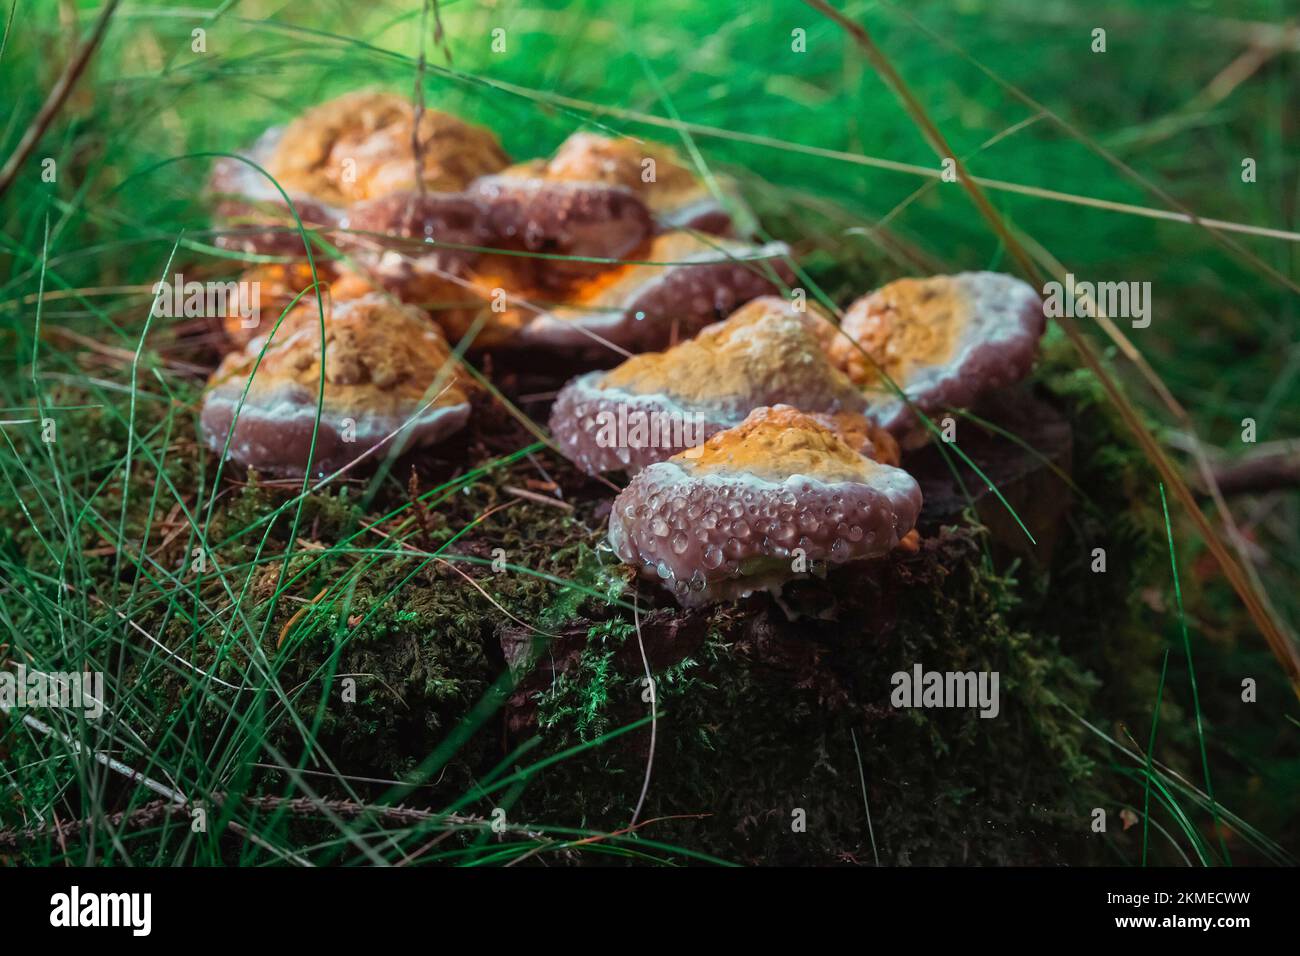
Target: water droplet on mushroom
(712, 557)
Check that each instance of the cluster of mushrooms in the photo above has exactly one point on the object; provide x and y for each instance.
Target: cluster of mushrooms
(609, 248)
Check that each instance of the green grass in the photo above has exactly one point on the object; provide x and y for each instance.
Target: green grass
(224, 683)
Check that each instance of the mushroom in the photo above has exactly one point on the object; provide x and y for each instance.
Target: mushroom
(350, 149)
(862, 435)
(682, 283)
(755, 504)
(257, 220)
(277, 286)
(658, 403)
(652, 171)
(389, 381)
(571, 221)
(360, 146)
(420, 247)
(944, 341)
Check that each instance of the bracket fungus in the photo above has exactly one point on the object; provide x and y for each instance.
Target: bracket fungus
(389, 381)
(572, 221)
(754, 505)
(257, 221)
(353, 148)
(680, 284)
(658, 403)
(277, 286)
(653, 172)
(421, 247)
(945, 341)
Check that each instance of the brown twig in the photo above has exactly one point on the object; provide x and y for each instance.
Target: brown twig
(297, 616)
(534, 496)
(1256, 474)
(151, 814)
(157, 811)
(58, 96)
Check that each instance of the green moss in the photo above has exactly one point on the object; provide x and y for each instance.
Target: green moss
(760, 721)
(759, 716)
